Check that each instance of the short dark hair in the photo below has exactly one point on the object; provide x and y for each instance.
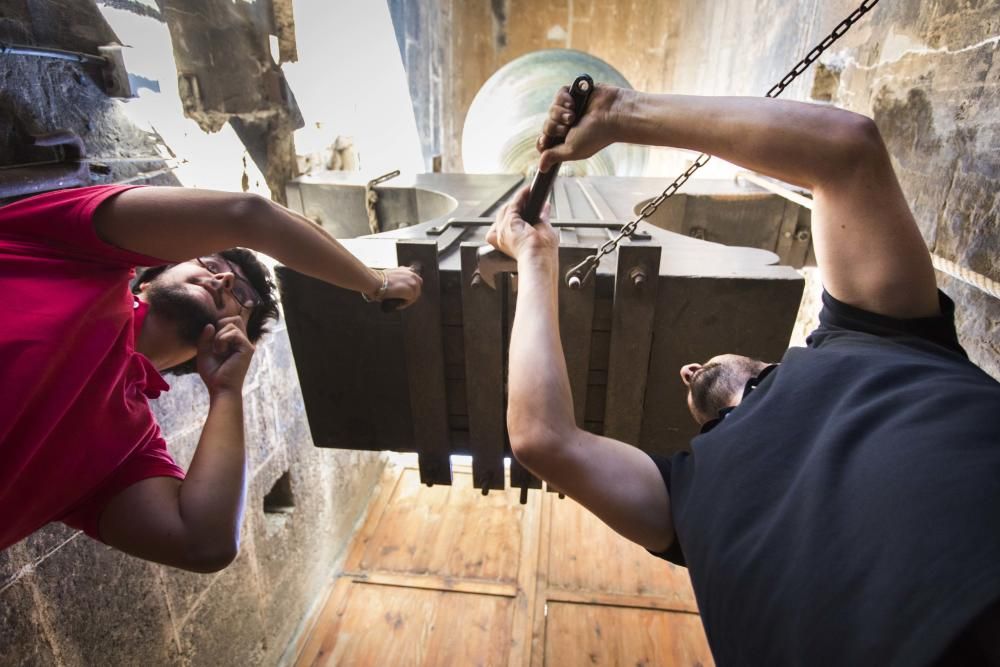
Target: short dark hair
(713, 388)
(258, 275)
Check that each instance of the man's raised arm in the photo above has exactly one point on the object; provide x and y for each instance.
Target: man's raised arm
(615, 481)
(178, 224)
(869, 250)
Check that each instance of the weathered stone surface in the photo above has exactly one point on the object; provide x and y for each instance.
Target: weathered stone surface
(48, 539)
(104, 607)
(25, 636)
(422, 45)
(225, 628)
(11, 562)
(263, 440)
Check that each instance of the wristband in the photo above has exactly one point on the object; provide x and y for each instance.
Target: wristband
(382, 289)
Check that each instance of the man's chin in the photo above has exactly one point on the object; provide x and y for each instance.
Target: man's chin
(189, 313)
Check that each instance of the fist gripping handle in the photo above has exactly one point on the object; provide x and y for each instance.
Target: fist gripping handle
(541, 186)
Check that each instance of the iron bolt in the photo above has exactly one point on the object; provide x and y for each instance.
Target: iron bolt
(638, 276)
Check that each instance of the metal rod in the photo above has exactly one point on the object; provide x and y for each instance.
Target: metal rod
(58, 54)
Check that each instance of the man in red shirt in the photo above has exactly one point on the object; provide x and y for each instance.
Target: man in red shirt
(81, 355)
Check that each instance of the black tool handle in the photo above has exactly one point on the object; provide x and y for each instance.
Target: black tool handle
(541, 186)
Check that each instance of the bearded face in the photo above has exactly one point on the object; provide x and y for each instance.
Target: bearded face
(177, 303)
(718, 384)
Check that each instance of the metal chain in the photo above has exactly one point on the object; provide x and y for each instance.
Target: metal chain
(579, 274)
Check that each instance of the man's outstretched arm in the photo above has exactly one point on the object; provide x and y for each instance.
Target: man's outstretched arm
(869, 250)
(617, 482)
(177, 224)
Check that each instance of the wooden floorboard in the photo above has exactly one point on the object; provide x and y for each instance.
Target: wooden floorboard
(446, 576)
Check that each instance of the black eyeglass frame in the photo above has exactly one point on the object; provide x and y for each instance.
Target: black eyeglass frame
(239, 280)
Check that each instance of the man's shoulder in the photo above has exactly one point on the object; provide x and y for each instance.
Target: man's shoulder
(843, 323)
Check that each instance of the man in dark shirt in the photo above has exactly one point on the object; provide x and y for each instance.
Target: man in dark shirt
(840, 508)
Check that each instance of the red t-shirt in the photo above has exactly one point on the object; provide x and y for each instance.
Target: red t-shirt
(75, 425)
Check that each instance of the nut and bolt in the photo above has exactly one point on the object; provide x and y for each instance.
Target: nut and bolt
(638, 276)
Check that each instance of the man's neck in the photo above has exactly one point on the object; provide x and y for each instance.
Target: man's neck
(157, 340)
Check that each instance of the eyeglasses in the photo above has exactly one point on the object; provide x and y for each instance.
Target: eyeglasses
(241, 289)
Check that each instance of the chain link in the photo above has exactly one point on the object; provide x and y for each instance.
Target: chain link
(579, 274)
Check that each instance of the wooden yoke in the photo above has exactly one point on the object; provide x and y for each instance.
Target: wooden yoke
(431, 379)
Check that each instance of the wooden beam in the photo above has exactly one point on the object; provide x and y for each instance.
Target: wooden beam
(425, 374)
(636, 283)
(576, 319)
(486, 402)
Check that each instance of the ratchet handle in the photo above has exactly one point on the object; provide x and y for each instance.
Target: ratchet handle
(541, 186)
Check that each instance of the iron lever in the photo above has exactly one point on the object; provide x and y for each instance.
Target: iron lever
(541, 185)
(491, 260)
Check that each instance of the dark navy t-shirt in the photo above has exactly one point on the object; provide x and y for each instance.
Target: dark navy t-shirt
(847, 512)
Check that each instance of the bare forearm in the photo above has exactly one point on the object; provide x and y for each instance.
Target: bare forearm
(540, 405)
(306, 247)
(177, 224)
(211, 496)
(805, 144)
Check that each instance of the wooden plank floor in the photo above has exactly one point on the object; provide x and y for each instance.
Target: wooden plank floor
(445, 576)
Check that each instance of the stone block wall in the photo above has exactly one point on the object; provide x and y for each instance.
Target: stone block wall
(68, 600)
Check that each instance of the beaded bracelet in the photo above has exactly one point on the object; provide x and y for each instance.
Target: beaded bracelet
(380, 292)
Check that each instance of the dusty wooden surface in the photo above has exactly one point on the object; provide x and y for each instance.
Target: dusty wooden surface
(443, 576)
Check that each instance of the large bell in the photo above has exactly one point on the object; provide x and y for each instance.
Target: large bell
(507, 113)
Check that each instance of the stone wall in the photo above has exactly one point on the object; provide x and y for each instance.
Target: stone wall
(422, 40)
